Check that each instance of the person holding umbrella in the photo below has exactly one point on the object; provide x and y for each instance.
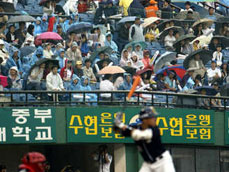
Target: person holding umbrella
(48, 51)
(169, 39)
(198, 64)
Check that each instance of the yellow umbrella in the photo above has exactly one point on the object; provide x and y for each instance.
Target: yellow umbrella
(149, 21)
(203, 40)
(209, 22)
(111, 70)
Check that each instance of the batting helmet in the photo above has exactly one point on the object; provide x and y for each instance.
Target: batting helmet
(148, 112)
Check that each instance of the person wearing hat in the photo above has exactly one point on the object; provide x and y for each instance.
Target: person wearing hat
(147, 137)
(214, 73)
(73, 53)
(77, 70)
(151, 10)
(136, 31)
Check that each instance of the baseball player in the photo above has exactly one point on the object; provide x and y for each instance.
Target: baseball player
(147, 137)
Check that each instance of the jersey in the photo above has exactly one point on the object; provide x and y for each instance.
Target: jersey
(149, 150)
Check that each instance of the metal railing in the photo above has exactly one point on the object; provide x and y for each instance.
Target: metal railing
(114, 98)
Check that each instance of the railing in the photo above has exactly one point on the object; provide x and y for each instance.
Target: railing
(114, 98)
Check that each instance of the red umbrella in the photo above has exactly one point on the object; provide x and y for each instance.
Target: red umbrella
(49, 36)
(3, 81)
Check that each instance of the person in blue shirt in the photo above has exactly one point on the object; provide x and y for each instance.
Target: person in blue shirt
(110, 43)
(75, 83)
(38, 54)
(85, 86)
(37, 25)
(44, 23)
(61, 58)
(14, 60)
(211, 15)
(84, 45)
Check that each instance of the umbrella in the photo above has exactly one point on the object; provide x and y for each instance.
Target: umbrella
(79, 28)
(205, 55)
(21, 18)
(99, 50)
(149, 21)
(148, 71)
(166, 57)
(203, 40)
(111, 70)
(209, 90)
(49, 36)
(224, 41)
(161, 26)
(165, 32)
(127, 19)
(208, 22)
(183, 38)
(180, 71)
(129, 70)
(223, 20)
(3, 81)
(42, 2)
(183, 15)
(134, 43)
(27, 50)
(219, 24)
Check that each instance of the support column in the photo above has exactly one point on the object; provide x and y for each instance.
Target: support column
(119, 158)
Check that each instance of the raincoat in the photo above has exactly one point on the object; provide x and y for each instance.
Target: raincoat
(35, 58)
(189, 84)
(11, 61)
(16, 83)
(60, 59)
(37, 27)
(113, 45)
(75, 87)
(83, 87)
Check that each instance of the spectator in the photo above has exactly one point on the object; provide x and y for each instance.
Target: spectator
(118, 82)
(107, 85)
(21, 33)
(127, 84)
(198, 64)
(61, 58)
(214, 43)
(214, 73)
(3, 70)
(38, 55)
(60, 32)
(14, 60)
(166, 11)
(77, 70)
(110, 43)
(124, 58)
(123, 33)
(84, 46)
(189, 74)
(35, 77)
(198, 82)
(136, 62)
(14, 79)
(91, 5)
(48, 8)
(47, 52)
(203, 102)
(85, 86)
(138, 51)
(74, 53)
(151, 10)
(44, 23)
(75, 84)
(3, 53)
(211, 15)
(198, 31)
(2, 31)
(169, 39)
(29, 39)
(88, 72)
(11, 36)
(136, 31)
(161, 82)
(136, 8)
(125, 5)
(216, 102)
(189, 85)
(224, 71)
(37, 26)
(110, 9)
(188, 6)
(171, 82)
(54, 81)
(66, 73)
(152, 32)
(82, 6)
(101, 36)
(146, 59)
(218, 56)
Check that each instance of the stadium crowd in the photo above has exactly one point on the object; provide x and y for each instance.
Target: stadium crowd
(65, 48)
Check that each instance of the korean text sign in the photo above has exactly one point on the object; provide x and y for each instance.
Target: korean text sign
(27, 125)
(176, 125)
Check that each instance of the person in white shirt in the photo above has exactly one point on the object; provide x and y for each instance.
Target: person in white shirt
(107, 85)
(218, 56)
(169, 39)
(54, 81)
(214, 73)
(136, 31)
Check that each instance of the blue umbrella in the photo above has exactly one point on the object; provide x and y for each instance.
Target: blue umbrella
(209, 90)
(80, 27)
(128, 19)
(25, 51)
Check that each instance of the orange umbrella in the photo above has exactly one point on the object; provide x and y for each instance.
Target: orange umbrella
(111, 70)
